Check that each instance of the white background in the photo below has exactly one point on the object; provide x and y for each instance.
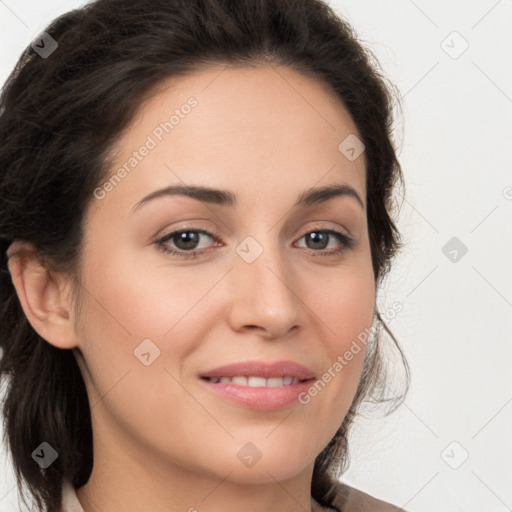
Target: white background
(455, 147)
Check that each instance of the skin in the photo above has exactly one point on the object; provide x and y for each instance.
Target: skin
(161, 441)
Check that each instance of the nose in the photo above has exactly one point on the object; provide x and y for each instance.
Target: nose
(264, 298)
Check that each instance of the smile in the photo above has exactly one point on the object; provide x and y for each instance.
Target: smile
(255, 381)
(259, 385)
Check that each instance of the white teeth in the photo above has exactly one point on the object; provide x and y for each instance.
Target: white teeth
(256, 382)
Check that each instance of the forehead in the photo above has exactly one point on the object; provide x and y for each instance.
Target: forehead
(259, 130)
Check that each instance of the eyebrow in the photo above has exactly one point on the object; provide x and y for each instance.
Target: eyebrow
(309, 197)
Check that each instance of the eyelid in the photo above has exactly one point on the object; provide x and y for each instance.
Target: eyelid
(325, 225)
(186, 226)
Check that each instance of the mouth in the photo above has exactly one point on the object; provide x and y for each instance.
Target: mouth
(254, 381)
(259, 386)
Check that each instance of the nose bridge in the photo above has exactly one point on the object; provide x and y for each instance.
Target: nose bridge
(265, 295)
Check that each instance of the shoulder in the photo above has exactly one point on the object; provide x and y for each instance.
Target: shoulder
(349, 499)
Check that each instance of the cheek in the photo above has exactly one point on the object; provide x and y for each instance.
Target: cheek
(346, 313)
(133, 300)
(347, 308)
(133, 307)
(124, 307)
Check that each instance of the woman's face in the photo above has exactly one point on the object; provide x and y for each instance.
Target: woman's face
(265, 280)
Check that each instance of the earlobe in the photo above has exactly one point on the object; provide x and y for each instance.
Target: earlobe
(42, 295)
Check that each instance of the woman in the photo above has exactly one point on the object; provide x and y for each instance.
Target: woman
(173, 338)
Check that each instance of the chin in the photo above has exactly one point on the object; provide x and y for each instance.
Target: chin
(265, 458)
(269, 470)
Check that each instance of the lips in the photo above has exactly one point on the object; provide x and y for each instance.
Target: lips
(258, 385)
(278, 369)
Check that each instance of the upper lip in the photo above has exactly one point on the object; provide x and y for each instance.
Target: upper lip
(262, 369)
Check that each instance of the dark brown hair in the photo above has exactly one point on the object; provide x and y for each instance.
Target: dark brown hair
(60, 116)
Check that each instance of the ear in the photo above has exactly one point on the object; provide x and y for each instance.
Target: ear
(44, 296)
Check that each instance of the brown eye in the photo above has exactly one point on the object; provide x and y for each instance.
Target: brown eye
(318, 240)
(185, 240)
(183, 243)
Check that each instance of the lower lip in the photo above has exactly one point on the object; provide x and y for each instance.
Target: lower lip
(260, 398)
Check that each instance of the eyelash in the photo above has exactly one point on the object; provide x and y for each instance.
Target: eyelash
(346, 243)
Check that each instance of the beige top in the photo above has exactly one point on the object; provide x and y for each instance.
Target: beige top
(70, 501)
(347, 499)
